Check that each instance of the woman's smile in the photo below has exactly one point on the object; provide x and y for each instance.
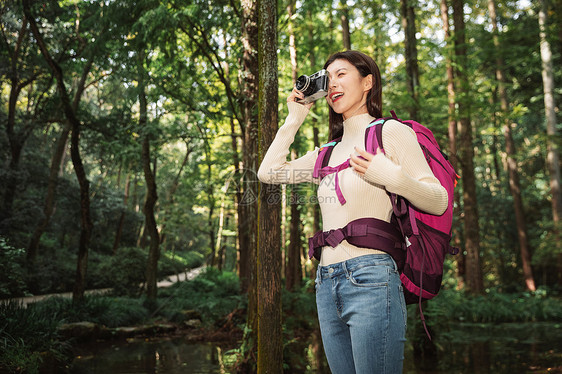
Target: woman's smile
(335, 96)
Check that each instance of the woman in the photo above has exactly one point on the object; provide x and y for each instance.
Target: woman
(359, 295)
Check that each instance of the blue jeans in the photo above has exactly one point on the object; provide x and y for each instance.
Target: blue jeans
(362, 315)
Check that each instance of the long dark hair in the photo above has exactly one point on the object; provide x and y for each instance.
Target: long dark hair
(366, 65)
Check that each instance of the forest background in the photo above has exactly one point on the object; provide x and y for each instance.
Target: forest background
(132, 130)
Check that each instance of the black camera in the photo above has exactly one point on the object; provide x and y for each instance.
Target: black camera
(313, 87)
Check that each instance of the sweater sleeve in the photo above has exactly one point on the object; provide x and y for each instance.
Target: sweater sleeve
(404, 170)
(275, 169)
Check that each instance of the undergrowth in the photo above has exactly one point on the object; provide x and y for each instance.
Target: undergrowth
(495, 307)
(28, 335)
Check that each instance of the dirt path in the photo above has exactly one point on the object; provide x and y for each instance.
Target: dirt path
(171, 279)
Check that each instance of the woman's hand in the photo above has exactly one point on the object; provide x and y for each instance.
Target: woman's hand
(295, 96)
(360, 162)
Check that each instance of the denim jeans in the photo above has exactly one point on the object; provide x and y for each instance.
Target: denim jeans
(362, 315)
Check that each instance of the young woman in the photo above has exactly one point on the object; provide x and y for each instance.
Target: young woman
(359, 295)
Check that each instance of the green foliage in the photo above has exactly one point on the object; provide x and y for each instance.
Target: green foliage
(213, 294)
(174, 263)
(54, 271)
(195, 100)
(299, 322)
(299, 308)
(494, 307)
(12, 270)
(104, 310)
(27, 335)
(124, 272)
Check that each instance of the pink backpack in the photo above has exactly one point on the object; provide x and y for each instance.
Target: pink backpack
(425, 237)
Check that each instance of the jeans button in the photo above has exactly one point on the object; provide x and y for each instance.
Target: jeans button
(330, 270)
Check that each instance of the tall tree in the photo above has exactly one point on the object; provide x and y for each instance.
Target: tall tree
(315, 131)
(194, 24)
(474, 277)
(249, 125)
(248, 214)
(346, 34)
(452, 130)
(56, 164)
(70, 113)
(174, 186)
(293, 270)
(408, 13)
(150, 179)
(514, 185)
(121, 221)
(293, 267)
(16, 138)
(270, 336)
(553, 158)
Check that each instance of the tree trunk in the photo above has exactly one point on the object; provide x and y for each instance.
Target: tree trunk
(514, 185)
(151, 192)
(293, 273)
(15, 140)
(292, 43)
(248, 219)
(456, 232)
(70, 113)
(345, 25)
(121, 221)
(315, 134)
(210, 203)
(283, 221)
(411, 54)
(552, 158)
(242, 235)
(173, 189)
(474, 276)
(57, 162)
(49, 207)
(558, 12)
(85, 217)
(316, 212)
(218, 245)
(250, 157)
(270, 337)
(242, 268)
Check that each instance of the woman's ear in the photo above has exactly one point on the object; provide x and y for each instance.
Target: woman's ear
(368, 82)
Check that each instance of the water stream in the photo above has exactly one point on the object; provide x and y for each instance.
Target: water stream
(170, 356)
(467, 349)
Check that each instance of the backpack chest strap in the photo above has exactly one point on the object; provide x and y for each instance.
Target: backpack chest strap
(327, 170)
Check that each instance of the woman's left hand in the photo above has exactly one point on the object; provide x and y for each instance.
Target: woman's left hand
(360, 162)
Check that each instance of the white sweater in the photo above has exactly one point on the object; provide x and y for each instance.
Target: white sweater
(403, 170)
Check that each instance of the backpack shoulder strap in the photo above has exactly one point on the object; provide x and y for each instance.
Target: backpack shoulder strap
(323, 158)
(373, 135)
(373, 140)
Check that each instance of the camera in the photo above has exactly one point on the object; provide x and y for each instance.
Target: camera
(313, 87)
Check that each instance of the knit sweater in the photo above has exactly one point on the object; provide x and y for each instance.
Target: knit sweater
(402, 170)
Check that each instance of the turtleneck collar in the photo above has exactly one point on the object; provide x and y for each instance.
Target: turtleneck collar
(356, 125)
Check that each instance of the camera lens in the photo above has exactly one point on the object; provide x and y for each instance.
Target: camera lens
(302, 83)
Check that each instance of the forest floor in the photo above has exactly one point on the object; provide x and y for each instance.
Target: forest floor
(168, 281)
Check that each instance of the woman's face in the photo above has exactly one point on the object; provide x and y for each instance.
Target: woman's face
(347, 89)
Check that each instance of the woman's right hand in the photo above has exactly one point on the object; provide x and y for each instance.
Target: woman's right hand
(296, 96)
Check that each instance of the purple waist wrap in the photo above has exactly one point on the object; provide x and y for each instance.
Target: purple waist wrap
(365, 233)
